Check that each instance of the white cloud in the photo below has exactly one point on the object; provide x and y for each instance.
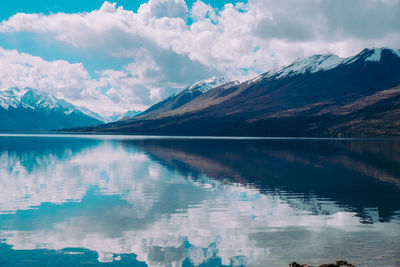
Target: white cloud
(164, 8)
(23, 70)
(200, 10)
(225, 39)
(238, 41)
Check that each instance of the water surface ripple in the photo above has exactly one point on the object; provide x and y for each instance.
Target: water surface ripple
(72, 200)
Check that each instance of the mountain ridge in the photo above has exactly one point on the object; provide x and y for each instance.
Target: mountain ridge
(355, 97)
(178, 100)
(32, 110)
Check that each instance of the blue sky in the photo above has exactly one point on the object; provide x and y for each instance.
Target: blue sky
(115, 57)
(50, 49)
(9, 8)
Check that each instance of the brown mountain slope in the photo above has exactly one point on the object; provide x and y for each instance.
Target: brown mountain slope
(357, 97)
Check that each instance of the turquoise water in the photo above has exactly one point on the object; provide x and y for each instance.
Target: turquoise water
(72, 200)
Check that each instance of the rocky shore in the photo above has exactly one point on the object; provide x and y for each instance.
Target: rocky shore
(338, 264)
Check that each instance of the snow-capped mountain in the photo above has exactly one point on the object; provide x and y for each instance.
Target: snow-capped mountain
(30, 109)
(309, 65)
(93, 114)
(43, 101)
(129, 113)
(185, 96)
(322, 95)
(119, 116)
(12, 98)
(205, 85)
(372, 55)
(325, 62)
(106, 119)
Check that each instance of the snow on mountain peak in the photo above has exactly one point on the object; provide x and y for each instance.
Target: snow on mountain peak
(206, 84)
(34, 99)
(372, 55)
(12, 98)
(317, 63)
(309, 64)
(376, 53)
(230, 84)
(396, 52)
(375, 56)
(41, 100)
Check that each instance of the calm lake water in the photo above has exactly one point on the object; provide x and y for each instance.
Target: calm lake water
(151, 201)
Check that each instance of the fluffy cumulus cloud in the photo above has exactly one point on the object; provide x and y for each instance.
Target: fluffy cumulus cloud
(24, 70)
(170, 45)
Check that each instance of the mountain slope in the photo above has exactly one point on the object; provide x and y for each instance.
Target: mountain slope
(94, 115)
(188, 94)
(32, 110)
(322, 95)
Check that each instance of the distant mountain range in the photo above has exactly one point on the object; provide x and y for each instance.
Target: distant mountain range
(32, 110)
(126, 115)
(322, 95)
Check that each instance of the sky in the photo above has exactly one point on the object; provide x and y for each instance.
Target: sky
(112, 57)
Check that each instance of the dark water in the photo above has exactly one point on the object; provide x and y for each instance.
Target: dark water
(136, 201)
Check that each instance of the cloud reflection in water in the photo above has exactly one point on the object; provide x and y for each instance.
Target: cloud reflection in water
(169, 201)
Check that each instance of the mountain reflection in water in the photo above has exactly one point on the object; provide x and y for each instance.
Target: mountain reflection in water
(170, 202)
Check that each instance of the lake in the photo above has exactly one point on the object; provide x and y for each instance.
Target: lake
(68, 200)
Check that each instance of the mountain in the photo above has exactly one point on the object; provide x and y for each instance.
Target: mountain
(126, 115)
(32, 110)
(94, 115)
(131, 113)
(322, 95)
(185, 96)
(114, 117)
